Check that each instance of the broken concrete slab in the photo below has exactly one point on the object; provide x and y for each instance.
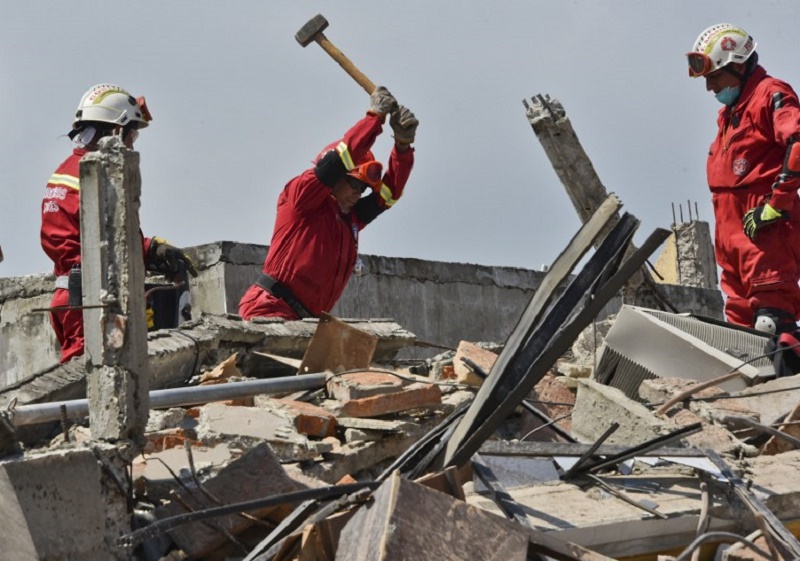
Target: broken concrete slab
(605, 523)
(771, 400)
(39, 495)
(154, 474)
(390, 528)
(358, 385)
(375, 425)
(220, 422)
(598, 405)
(710, 403)
(174, 356)
(257, 473)
(789, 426)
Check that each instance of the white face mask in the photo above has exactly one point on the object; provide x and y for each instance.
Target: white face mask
(85, 136)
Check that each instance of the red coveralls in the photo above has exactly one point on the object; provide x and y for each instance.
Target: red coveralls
(61, 241)
(314, 246)
(743, 163)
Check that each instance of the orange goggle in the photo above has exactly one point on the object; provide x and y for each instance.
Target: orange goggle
(699, 64)
(142, 104)
(369, 173)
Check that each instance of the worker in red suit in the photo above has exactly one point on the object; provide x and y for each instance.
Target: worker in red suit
(103, 111)
(321, 213)
(753, 173)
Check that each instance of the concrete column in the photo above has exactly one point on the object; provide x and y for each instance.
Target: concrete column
(584, 188)
(113, 275)
(688, 256)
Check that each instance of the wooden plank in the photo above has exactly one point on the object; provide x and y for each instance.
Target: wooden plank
(518, 372)
(559, 271)
(536, 368)
(408, 522)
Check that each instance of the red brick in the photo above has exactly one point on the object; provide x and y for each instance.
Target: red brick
(410, 397)
(309, 419)
(551, 392)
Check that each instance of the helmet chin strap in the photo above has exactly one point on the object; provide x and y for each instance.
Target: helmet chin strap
(84, 136)
(749, 68)
(729, 69)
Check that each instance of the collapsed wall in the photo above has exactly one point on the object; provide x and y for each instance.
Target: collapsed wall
(441, 303)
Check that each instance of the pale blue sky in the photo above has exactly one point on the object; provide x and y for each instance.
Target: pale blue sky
(239, 108)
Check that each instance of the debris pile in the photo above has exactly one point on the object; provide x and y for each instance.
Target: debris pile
(645, 434)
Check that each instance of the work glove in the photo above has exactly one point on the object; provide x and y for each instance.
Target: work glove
(761, 216)
(167, 259)
(404, 124)
(381, 101)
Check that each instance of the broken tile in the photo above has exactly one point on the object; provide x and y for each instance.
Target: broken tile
(220, 421)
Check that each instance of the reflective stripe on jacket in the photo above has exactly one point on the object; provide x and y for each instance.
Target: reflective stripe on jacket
(314, 246)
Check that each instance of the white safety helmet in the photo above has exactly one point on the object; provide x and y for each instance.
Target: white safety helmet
(107, 103)
(718, 46)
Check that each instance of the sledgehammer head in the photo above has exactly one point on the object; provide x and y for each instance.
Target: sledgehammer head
(309, 31)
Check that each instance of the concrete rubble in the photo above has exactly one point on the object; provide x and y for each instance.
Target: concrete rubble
(585, 434)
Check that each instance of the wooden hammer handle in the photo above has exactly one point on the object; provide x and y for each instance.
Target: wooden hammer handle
(345, 63)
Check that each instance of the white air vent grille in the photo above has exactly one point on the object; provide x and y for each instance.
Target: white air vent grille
(645, 344)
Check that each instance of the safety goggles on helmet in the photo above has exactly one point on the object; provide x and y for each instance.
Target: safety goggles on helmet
(699, 64)
(142, 104)
(368, 173)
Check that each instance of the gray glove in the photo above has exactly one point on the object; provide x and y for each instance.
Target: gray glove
(404, 124)
(381, 101)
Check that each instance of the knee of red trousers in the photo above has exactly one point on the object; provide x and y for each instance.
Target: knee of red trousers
(257, 302)
(739, 311)
(68, 327)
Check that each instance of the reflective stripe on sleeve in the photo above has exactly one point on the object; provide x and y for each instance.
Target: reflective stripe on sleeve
(386, 195)
(65, 180)
(344, 154)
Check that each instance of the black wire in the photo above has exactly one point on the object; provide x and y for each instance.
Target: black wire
(135, 538)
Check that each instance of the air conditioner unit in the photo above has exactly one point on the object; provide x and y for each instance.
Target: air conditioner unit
(646, 344)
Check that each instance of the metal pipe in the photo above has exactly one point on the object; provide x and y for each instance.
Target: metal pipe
(177, 397)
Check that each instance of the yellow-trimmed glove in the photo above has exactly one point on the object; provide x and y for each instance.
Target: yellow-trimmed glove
(760, 217)
(167, 259)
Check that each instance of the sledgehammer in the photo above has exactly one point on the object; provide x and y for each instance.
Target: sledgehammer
(312, 31)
